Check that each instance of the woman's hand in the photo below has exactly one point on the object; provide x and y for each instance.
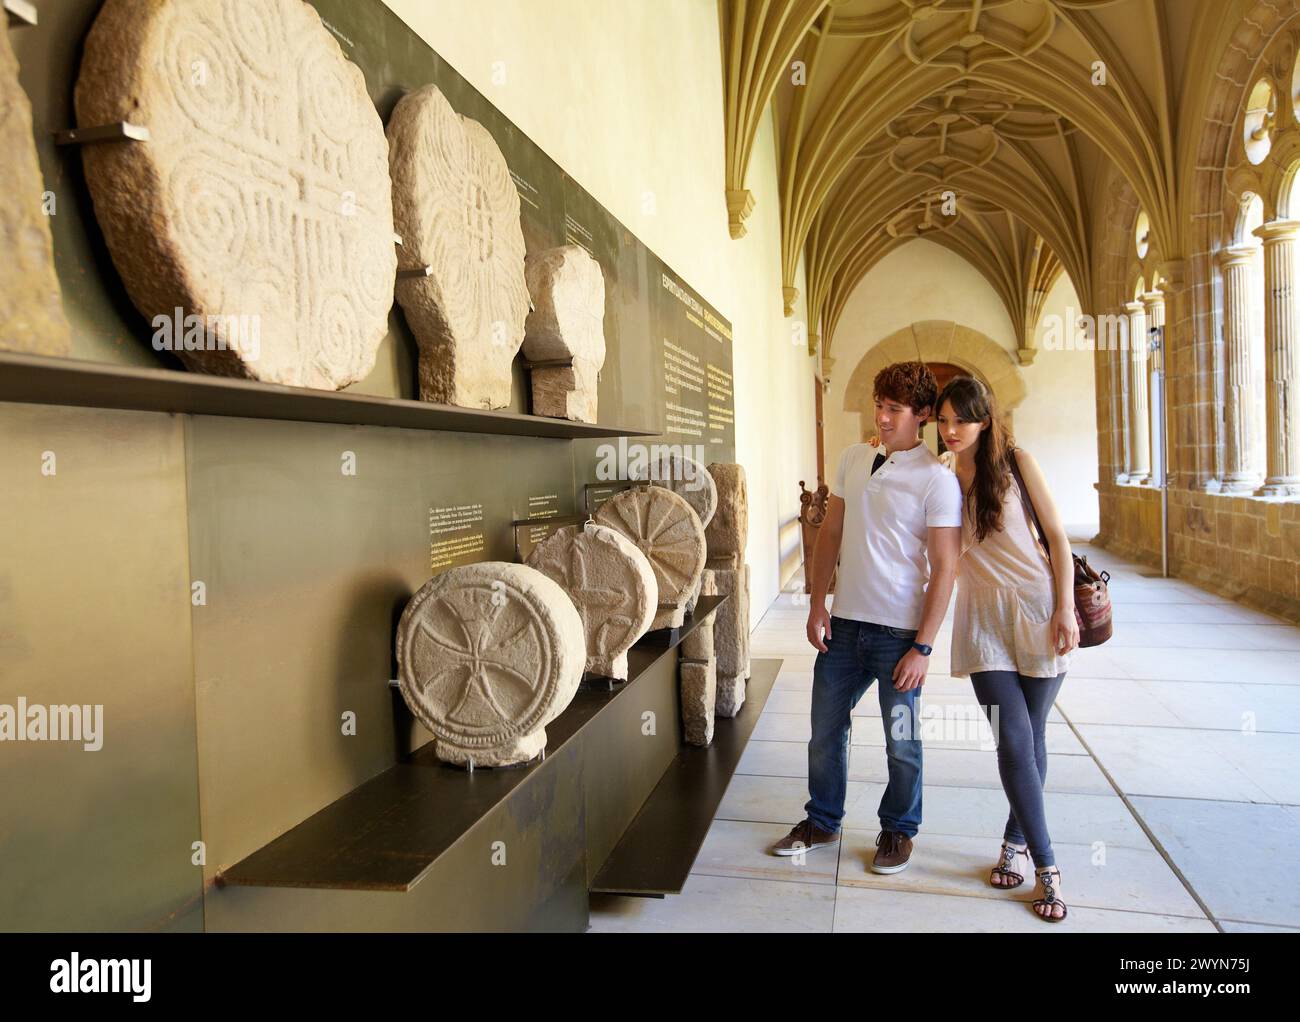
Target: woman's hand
(1065, 630)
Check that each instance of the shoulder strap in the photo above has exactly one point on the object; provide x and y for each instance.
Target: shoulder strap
(1029, 504)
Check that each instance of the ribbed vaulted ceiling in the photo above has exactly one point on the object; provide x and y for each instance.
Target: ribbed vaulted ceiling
(982, 125)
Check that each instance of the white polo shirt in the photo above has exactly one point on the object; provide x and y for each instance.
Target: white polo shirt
(883, 564)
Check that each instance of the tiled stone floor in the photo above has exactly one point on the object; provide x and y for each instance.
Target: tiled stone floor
(1173, 791)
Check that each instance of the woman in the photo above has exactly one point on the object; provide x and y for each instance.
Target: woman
(1014, 625)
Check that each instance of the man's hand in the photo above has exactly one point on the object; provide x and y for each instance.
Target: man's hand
(909, 672)
(819, 623)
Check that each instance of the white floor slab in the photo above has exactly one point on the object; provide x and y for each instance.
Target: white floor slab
(1193, 710)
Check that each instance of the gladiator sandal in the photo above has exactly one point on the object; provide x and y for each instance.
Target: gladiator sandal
(1010, 878)
(1049, 877)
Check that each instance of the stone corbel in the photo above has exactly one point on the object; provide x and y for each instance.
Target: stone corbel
(790, 294)
(740, 203)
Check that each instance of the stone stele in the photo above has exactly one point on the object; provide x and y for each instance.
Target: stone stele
(611, 583)
(259, 213)
(31, 306)
(488, 654)
(728, 531)
(698, 681)
(567, 322)
(668, 531)
(684, 476)
(731, 641)
(698, 645)
(457, 209)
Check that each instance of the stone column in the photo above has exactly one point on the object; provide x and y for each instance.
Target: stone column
(1109, 340)
(1280, 358)
(1139, 422)
(1239, 474)
(1154, 304)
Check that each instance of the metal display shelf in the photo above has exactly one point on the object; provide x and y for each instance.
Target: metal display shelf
(389, 833)
(38, 379)
(656, 853)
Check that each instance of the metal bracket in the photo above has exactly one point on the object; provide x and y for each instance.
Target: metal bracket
(21, 12)
(122, 131)
(418, 274)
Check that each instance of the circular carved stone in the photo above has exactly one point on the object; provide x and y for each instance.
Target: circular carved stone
(457, 210)
(610, 582)
(668, 531)
(261, 203)
(687, 478)
(488, 654)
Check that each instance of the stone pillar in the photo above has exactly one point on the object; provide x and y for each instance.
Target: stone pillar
(1154, 304)
(1239, 474)
(1139, 422)
(1282, 476)
(1108, 340)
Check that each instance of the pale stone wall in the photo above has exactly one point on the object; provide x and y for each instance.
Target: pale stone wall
(923, 299)
(627, 98)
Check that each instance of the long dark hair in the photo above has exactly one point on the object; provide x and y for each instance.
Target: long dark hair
(972, 402)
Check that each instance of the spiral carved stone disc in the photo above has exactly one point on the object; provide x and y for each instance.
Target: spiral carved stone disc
(457, 210)
(668, 532)
(610, 582)
(488, 654)
(687, 478)
(261, 201)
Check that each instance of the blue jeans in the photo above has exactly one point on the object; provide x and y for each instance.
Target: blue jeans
(858, 653)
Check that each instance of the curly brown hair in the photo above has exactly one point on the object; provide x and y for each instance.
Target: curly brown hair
(908, 383)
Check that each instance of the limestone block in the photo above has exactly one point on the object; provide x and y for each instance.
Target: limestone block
(487, 655)
(260, 207)
(698, 645)
(611, 583)
(567, 321)
(31, 305)
(933, 339)
(457, 209)
(684, 476)
(728, 530)
(668, 532)
(698, 682)
(730, 641)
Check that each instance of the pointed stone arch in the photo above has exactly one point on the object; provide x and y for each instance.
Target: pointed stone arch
(936, 341)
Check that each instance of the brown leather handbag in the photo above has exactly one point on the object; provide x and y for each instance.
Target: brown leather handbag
(1091, 590)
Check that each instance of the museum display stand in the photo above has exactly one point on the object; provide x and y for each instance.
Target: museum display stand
(38, 379)
(616, 804)
(233, 555)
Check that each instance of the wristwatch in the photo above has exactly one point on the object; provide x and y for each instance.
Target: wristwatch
(922, 648)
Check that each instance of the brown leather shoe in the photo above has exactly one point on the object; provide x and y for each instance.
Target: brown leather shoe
(893, 850)
(804, 838)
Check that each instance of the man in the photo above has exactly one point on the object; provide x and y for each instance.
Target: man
(893, 519)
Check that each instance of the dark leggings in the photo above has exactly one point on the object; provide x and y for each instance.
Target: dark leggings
(1020, 729)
